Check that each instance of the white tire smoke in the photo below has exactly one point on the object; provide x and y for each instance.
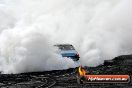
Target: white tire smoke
(99, 29)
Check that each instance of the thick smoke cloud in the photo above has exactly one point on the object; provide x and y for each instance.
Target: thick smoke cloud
(28, 51)
(99, 29)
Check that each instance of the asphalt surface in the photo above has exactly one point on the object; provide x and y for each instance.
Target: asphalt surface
(63, 78)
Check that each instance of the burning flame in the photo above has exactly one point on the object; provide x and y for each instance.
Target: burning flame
(81, 71)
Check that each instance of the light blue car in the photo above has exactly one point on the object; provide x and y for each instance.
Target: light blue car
(67, 50)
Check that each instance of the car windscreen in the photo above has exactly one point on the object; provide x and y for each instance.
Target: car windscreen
(66, 47)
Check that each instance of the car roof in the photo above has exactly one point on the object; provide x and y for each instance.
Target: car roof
(63, 45)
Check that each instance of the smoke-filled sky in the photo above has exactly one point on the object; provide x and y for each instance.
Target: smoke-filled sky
(99, 30)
